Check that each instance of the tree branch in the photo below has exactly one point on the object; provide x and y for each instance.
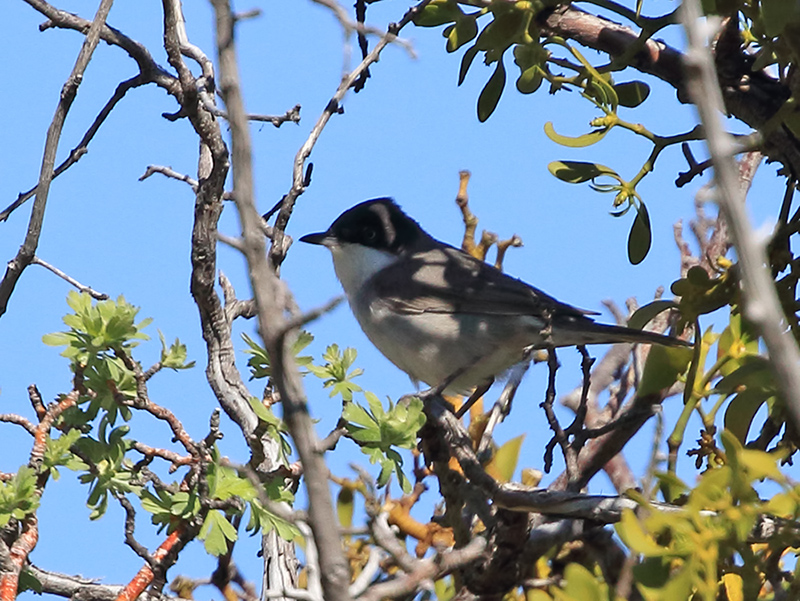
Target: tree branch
(70, 280)
(279, 247)
(751, 96)
(271, 300)
(26, 252)
(761, 304)
(83, 146)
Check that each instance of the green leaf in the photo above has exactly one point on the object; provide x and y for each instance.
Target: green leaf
(174, 357)
(640, 237)
(490, 96)
(263, 519)
(531, 60)
(263, 412)
(216, 532)
(577, 172)
(462, 32)
(658, 580)
(783, 505)
(632, 93)
(387, 467)
(530, 80)
(738, 340)
(345, 507)
(644, 315)
(466, 62)
(355, 413)
(504, 463)
(18, 497)
(29, 582)
(741, 410)
(663, 367)
(754, 373)
(579, 142)
(438, 13)
(636, 538)
(761, 465)
(334, 373)
(500, 33)
(581, 584)
(777, 14)
(378, 430)
(57, 339)
(58, 452)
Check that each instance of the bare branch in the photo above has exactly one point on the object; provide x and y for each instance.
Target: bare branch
(278, 249)
(761, 303)
(306, 318)
(13, 418)
(130, 527)
(502, 406)
(26, 252)
(559, 436)
(77, 587)
(147, 66)
(292, 115)
(169, 172)
(427, 570)
(271, 300)
(83, 146)
(350, 26)
(81, 287)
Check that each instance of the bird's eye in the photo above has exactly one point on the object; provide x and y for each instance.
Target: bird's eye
(369, 235)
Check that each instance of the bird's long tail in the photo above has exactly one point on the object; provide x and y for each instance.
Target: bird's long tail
(572, 333)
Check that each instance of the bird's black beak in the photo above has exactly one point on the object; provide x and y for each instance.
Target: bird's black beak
(322, 238)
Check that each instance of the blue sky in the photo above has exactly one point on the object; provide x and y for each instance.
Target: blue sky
(406, 135)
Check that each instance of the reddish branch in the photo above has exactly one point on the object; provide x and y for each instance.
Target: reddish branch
(29, 535)
(145, 576)
(18, 554)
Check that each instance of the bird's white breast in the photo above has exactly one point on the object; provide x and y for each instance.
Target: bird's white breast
(355, 264)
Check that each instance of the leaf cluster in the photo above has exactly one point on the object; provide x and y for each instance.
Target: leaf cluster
(693, 551)
(374, 429)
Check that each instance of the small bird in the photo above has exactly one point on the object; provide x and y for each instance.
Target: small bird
(441, 315)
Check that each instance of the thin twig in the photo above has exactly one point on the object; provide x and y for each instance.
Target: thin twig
(168, 172)
(502, 406)
(68, 92)
(278, 249)
(70, 280)
(292, 115)
(13, 418)
(350, 26)
(583, 406)
(309, 316)
(559, 436)
(83, 146)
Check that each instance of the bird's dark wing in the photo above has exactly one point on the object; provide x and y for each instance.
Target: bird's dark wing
(447, 280)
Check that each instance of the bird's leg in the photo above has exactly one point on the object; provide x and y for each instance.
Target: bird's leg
(473, 398)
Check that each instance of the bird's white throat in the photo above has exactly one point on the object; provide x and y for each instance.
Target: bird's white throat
(355, 264)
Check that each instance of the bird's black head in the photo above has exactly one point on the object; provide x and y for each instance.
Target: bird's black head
(377, 223)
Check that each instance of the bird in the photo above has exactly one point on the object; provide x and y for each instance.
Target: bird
(439, 314)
